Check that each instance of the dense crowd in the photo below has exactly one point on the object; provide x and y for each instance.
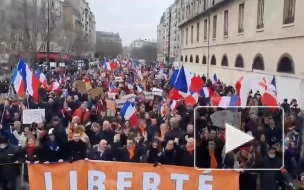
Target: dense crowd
(76, 127)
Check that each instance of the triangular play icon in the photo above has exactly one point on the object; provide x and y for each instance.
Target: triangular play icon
(235, 138)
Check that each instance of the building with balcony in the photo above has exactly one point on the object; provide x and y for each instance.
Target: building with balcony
(235, 37)
(139, 43)
(169, 33)
(88, 23)
(108, 36)
(160, 40)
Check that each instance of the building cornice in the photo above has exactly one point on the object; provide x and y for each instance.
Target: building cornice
(204, 12)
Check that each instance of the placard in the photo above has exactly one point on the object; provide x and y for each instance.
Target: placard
(33, 115)
(81, 87)
(220, 118)
(118, 79)
(111, 110)
(96, 92)
(157, 91)
(128, 97)
(120, 103)
(149, 95)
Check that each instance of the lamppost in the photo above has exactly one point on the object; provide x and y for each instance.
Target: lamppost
(48, 37)
(169, 36)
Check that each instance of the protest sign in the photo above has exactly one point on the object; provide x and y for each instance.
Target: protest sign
(111, 110)
(119, 175)
(88, 85)
(96, 92)
(118, 79)
(81, 87)
(128, 97)
(149, 95)
(220, 118)
(120, 103)
(157, 91)
(33, 115)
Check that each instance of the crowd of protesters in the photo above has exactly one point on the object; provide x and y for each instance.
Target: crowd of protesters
(76, 127)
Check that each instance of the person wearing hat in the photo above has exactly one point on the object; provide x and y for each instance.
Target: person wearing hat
(8, 172)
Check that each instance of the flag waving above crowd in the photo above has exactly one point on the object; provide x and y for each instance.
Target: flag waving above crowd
(136, 109)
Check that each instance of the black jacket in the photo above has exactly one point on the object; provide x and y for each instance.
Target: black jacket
(77, 150)
(50, 154)
(10, 154)
(95, 154)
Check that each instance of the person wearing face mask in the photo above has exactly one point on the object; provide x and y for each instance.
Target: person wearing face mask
(8, 172)
(268, 177)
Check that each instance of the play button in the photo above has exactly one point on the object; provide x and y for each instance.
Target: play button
(235, 138)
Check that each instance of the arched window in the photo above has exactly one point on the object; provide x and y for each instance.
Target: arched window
(224, 61)
(286, 64)
(181, 58)
(258, 63)
(196, 59)
(213, 60)
(191, 59)
(204, 60)
(186, 59)
(239, 62)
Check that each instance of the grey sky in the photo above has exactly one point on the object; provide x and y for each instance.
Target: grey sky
(133, 19)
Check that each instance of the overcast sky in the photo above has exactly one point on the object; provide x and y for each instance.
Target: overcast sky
(133, 19)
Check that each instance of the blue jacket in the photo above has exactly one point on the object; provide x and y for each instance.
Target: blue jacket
(11, 137)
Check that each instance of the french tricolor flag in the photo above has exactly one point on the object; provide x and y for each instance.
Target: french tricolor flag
(18, 83)
(109, 66)
(140, 88)
(225, 101)
(191, 99)
(173, 104)
(130, 85)
(207, 92)
(42, 78)
(269, 98)
(53, 86)
(128, 112)
(30, 83)
(162, 109)
(60, 79)
(113, 89)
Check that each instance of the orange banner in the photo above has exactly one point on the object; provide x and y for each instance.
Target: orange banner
(91, 175)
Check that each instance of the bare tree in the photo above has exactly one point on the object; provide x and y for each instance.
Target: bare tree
(4, 34)
(81, 45)
(68, 37)
(29, 24)
(108, 48)
(147, 51)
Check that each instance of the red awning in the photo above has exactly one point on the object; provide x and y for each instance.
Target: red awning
(53, 56)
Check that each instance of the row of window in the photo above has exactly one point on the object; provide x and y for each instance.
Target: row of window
(285, 64)
(288, 18)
